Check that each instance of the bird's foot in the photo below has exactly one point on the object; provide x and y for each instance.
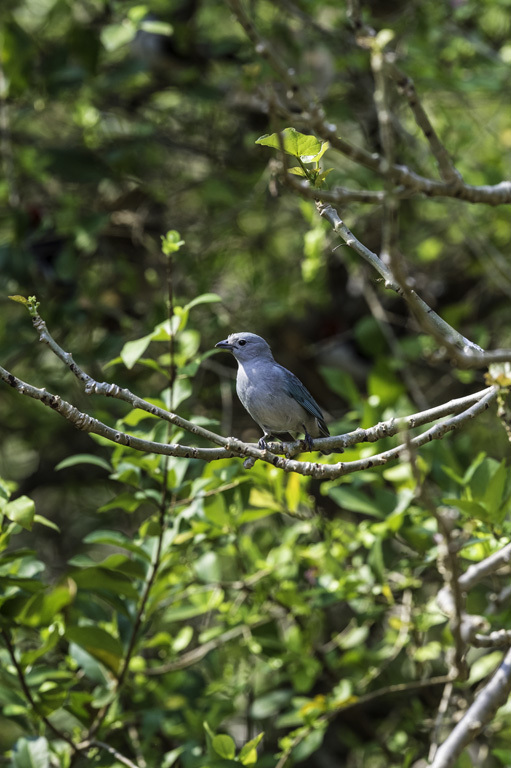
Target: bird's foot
(308, 441)
(263, 445)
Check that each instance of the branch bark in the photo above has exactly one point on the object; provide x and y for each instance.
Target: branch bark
(488, 701)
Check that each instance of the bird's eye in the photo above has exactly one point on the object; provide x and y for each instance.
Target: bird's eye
(242, 342)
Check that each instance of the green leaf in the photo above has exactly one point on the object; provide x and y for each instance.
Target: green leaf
(31, 753)
(181, 391)
(20, 299)
(483, 666)
(125, 501)
(342, 384)
(113, 36)
(315, 158)
(116, 539)
(354, 500)
(171, 242)
(471, 508)
(42, 608)
(310, 744)
(83, 458)
(224, 746)
(133, 350)
(103, 579)
(157, 28)
(204, 298)
(208, 568)
(270, 704)
(21, 511)
(495, 488)
(298, 171)
(294, 143)
(383, 38)
(98, 643)
(183, 639)
(47, 523)
(428, 652)
(248, 752)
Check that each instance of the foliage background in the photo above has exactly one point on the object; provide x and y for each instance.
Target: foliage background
(112, 135)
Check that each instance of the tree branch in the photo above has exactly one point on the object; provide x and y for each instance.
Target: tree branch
(236, 448)
(425, 315)
(488, 701)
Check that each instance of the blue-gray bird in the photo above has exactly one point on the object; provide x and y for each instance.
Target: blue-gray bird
(274, 397)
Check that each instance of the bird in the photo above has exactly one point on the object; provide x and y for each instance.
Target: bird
(273, 396)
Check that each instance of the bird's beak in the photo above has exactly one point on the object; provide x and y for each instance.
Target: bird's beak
(224, 345)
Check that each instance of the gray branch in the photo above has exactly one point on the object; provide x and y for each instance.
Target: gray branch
(488, 701)
(231, 447)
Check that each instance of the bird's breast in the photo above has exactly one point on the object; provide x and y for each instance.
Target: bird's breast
(263, 393)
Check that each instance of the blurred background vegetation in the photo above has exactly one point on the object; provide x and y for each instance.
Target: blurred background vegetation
(120, 121)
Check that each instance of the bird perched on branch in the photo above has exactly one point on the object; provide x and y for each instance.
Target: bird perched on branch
(274, 397)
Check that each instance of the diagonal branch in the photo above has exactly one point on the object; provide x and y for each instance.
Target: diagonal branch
(436, 325)
(234, 447)
(488, 701)
(465, 353)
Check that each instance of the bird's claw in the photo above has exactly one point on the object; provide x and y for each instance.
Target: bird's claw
(308, 442)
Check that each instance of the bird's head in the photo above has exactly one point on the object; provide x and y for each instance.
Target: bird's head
(246, 346)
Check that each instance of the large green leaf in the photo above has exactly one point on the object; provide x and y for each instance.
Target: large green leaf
(31, 753)
(100, 644)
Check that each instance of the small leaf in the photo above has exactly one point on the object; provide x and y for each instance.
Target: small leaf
(83, 458)
(315, 158)
(298, 171)
(224, 746)
(133, 350)
(471, 508)
(494, 490)
(47, 523)
(171, 242)
(484, 666)
(204, 298)
(19, 299)
(21, 511)
(350, 498)
(294, 143)
(383, 38)
(248, 752)
(181, 391)
(114, 36)
(183, 639)
(310, 744)
(154, 27)
(98, 643)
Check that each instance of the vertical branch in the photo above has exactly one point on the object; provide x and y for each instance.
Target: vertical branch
(390, 202)
(155, 563)
(442, 709)
(406, 85)
(6, 152)
(448, 566)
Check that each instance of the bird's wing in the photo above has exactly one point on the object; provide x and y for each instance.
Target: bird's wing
(301, 394)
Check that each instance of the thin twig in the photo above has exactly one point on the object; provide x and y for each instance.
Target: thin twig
(442, 709)
(196, 654)
(89, 743)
